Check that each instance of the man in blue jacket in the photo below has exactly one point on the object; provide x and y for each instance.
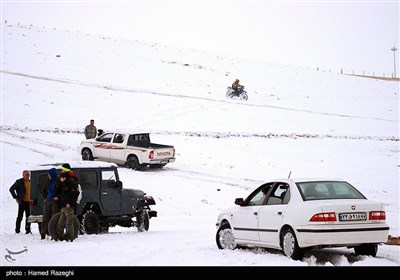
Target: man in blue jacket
(51, 204)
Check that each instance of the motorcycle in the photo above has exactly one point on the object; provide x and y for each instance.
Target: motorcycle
(242, 94)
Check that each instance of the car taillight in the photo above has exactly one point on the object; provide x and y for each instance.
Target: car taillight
(324, 217)
(377, 215)
(151, 154)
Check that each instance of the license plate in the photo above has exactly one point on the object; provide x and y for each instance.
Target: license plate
(352, 217)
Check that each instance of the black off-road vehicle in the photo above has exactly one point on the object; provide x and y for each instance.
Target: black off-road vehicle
(105, 203)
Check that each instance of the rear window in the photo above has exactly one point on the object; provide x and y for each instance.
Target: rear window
(328, 190)
(139, 140)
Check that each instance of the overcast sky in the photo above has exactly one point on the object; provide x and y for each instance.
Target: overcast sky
(354, 35)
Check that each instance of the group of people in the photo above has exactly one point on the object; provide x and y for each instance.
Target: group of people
(60, 195)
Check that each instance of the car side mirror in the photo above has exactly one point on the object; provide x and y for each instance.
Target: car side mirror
(112, 184)
(239, 201)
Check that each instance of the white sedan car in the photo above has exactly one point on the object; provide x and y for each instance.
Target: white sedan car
(298, 214)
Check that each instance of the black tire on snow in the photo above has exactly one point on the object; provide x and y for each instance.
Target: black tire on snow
(133, 163)
(53, 226)
(143, 221)
(290, 246)
(225, 238)
(87, 154)
(91, 223)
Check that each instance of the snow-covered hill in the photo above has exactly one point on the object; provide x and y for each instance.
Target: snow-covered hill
(307, 122)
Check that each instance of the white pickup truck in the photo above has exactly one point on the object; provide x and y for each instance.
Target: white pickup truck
(132, 150)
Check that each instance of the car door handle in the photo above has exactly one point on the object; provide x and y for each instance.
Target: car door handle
(104, 193)
(279, 213)
(255, 213)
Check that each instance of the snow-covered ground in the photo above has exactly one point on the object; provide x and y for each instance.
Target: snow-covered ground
(307, 122)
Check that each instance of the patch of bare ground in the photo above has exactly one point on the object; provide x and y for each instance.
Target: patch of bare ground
(393, 240)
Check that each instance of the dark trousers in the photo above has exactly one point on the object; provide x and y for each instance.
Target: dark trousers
(49, 209)
(238, 91)
(67, 218)
(23, 207)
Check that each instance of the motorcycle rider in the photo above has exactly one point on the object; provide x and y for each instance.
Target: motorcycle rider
(238, 88)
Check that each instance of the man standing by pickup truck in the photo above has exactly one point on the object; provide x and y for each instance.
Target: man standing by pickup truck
(90, 130)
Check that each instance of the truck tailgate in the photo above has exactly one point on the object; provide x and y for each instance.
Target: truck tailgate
(164, 153)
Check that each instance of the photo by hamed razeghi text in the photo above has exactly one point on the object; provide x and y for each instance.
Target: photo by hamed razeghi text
(45, 272)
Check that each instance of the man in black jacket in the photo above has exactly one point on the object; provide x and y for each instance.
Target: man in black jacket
(69, 194)
(21, 192)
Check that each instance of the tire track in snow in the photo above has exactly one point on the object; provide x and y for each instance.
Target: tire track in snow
(147, 91)
(242, 183)
(28, 148)
(218, 135)
(35, 140)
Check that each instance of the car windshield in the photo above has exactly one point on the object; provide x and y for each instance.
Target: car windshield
(328, 190)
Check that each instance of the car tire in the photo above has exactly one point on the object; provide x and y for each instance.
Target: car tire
(290, 246)
(366, 249)
(142, 221)
(225, 238)
(91, 223)
(133, 163)
(53, 227)
(87, 154)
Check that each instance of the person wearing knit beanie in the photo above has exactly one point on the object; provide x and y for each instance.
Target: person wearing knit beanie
(65, 167)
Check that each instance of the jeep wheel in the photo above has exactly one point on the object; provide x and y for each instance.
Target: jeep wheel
(91, 223)
(53, 227)
(143, 222)
(87, 154)
(133, 162)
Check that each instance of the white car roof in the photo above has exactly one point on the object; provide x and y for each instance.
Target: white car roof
(299, 180)
(73, 164)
